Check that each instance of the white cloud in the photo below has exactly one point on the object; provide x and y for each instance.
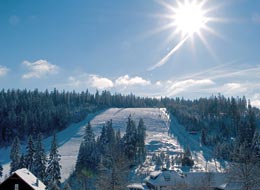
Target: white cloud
(86, 81)
(127, 81)
(100, 82)
(256, 18)
(39, 68)
(255, 103)
(174, 88)
(3, 70)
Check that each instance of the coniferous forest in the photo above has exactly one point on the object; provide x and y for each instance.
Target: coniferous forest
(229, 126)
(25, 112)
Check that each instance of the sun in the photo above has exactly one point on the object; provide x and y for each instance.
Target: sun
(189, 17)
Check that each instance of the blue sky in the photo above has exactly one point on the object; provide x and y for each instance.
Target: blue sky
(112, 45)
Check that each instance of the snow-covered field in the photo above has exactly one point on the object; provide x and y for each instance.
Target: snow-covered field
(156, 120)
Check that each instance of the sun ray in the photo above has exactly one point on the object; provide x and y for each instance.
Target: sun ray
(189, 18)
(209, 48)
(165, 58)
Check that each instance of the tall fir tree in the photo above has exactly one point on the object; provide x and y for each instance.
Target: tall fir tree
(1, 170)
(40, 159)
(53, 174)
(141, 134)
(15, 155)
(22, 161)
(87, 156)
(30, 153)
(130, 139)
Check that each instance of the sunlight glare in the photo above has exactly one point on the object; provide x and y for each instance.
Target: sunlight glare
(189, 18)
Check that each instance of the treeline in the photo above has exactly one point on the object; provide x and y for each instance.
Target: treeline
(25, 112)
(104, 162)
(219, 120)
(223, 123)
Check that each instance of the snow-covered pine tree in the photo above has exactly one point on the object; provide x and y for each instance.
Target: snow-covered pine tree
(87, 158)
(22, 162)
(15, 155)
(141, 141)
(1, 170)
(53, 174)
(40, 159)
(130, 139)
(29, 157)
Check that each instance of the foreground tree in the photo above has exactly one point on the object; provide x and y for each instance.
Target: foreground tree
(141, 151)
(130, 139)
(87, 158)
(29, 157)
(40, 159)
(54, 167)
(1, 170)
(245, 168)
(15, 155)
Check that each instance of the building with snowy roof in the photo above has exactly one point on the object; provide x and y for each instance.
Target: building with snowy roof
(22, 179)
(166, 179)
(170, 179)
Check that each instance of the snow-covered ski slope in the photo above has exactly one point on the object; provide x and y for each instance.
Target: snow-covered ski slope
(156, 120)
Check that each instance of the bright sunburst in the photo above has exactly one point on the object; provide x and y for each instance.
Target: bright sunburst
(189, 17)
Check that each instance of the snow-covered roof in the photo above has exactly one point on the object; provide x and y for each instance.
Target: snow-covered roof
(155, 174)
(30, 179)
(135, 186)
(167, 177)
(191, 179)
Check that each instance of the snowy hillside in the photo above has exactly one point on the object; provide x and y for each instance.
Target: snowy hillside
(156, 120)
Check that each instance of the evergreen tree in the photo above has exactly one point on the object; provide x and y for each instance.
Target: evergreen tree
(1, 170)
(40, 159)
(29, 157)
(187, 158)
(130, 139)
(87, 156)
(141, 141)
(203, 137)
(15, 155)
(54, 167)
(22, 162)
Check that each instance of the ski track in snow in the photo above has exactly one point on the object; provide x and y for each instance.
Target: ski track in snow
(156, 120)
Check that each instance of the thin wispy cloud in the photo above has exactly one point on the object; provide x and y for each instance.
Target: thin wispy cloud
(3, 71)
(128, 81)
(39, 69)
(176, 87)
(227, 80)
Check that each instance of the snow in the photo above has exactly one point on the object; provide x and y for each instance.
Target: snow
(135, 186)
(157, 122)
(68, 141)
(30, 179)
